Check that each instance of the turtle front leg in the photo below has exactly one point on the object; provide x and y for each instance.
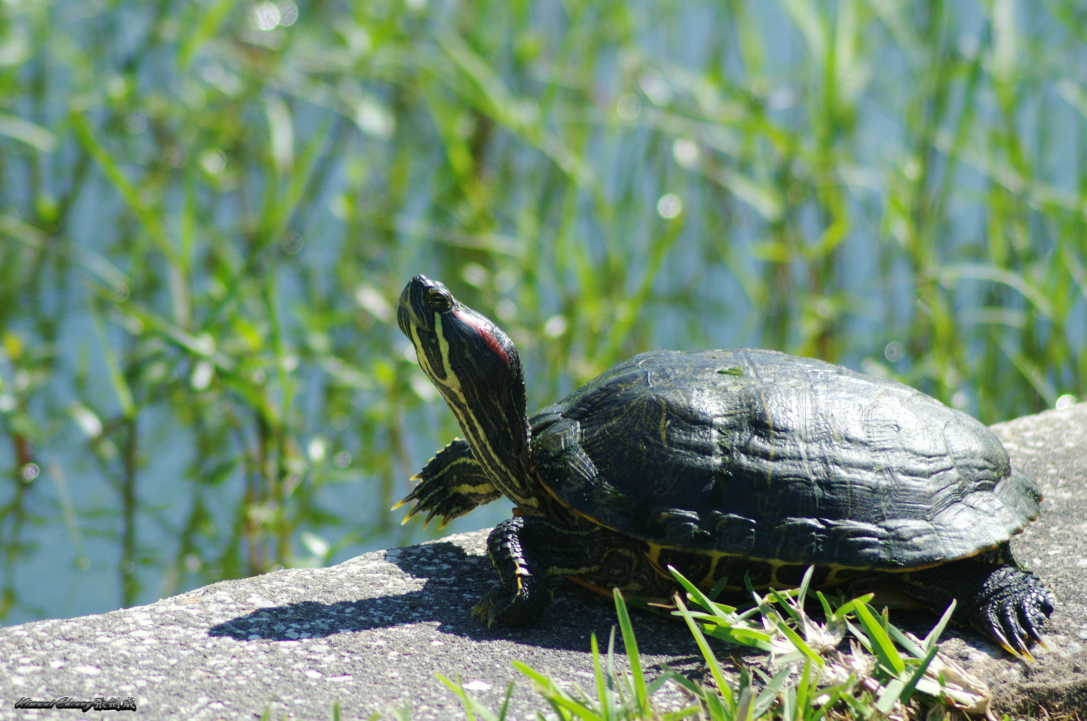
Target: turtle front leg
(999, 600)
(452, 484)
(527, 551)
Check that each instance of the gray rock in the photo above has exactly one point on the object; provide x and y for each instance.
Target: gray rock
(1052, 448)
(372, 633)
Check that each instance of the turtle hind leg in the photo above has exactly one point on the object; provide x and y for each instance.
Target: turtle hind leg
(528, 551)
(1001, 601)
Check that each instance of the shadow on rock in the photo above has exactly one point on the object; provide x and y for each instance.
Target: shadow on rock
(455, 580)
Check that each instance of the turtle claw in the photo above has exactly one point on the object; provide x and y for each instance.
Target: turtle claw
(1032, 616)
(436, 501)
(1004, 603)
(521, 608)
(1013, 614)
(1014, 630)
(484, 610)
(1009, 636)
(450, 485)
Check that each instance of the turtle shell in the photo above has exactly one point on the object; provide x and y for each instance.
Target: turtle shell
(760, 455)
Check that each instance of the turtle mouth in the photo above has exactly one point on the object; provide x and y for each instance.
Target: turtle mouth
(405, 320)
(406, 315)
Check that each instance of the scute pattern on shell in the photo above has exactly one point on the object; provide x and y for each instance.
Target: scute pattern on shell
(769, 456)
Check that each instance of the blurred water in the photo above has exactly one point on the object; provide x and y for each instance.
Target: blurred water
(73, 567)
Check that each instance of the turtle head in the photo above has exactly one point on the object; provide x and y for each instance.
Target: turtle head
(475, 366)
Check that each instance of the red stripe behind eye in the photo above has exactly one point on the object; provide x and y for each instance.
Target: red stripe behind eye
(486, 334)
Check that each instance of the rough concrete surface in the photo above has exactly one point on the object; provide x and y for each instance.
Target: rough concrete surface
(372, 633)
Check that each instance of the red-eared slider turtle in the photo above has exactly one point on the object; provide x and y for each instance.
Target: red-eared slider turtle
(721, 463)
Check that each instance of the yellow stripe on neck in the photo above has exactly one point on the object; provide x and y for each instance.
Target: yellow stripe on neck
(453, 392)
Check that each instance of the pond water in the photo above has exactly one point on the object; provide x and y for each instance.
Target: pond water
(206, 218)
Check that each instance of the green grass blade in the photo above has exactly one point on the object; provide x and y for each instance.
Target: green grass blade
(210, 20)
(717, 589)
(827, 610)
(919, 673)
(938, 630)
(472, 707)
(696, 593)
(890, 695)
(801, 697)
(789, 703)
(859, 634)
(603, 693)
(120, 386)
(631, 645)
(533, 675)
(504, 708)
(849, 606)
(794, 638)
(744, 636)
(786, 603)
(745, 706)
(280, 133)
(802, 592)
(556, 696)
(148, 218)
(770, 692)
(882, 646)
(905, 642)
(30, 133)
(616, 690)
(707, 652)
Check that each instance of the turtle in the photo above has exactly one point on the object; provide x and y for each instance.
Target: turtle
(722, 464)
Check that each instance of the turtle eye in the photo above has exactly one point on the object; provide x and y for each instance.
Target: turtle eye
(439, 299)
